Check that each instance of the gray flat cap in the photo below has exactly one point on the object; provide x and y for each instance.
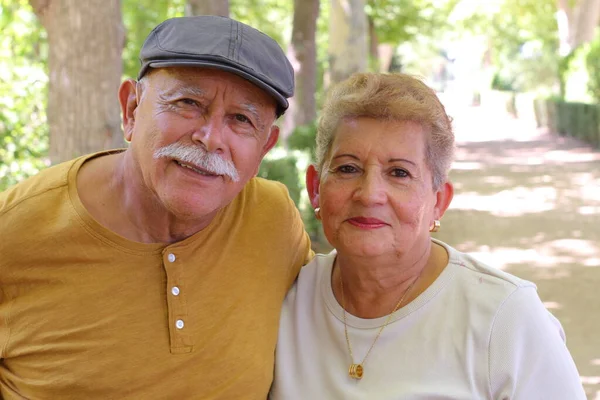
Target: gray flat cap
(222, 43)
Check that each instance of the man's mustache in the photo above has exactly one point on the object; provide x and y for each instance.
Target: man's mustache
(197, 156)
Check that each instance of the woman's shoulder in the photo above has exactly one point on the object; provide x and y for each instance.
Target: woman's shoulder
(471, 267)
(312, 271)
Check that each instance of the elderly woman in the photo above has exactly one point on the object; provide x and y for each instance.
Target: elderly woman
(392, 313)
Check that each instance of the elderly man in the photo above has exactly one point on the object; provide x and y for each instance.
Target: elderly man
(158, 271)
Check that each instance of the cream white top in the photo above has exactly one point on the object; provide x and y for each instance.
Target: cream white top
(475, 333)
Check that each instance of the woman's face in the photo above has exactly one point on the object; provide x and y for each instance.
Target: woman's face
(375, 190)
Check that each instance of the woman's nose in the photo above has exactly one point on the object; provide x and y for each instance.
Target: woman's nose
(371, 189)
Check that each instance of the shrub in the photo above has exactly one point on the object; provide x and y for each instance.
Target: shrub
(283, 170)
(592, 62)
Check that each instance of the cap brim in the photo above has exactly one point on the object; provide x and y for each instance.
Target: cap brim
(279, 98)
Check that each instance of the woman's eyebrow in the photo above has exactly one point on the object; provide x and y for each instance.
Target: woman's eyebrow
(402, 160)
(346, 155)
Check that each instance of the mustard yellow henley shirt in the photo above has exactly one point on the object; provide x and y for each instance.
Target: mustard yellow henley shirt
(87, 314)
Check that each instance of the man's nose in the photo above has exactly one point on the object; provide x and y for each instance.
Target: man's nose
(210, 132)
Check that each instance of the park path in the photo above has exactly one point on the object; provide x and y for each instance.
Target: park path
(528, 202)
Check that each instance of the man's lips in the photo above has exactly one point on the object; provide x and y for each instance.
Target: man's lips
(367, 222)
(194, 168)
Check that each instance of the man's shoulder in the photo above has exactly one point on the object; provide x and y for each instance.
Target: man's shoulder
(46, 183)
(267, 192)
(267, 186)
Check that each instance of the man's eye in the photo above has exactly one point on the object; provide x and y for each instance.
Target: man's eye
(242, 118)
(399, 173)
(188, 102)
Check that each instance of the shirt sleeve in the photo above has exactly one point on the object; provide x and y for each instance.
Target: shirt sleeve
(298, 243)
(4, 331)
(528, 356)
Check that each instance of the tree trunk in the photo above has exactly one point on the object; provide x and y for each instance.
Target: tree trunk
(303, 56)
(207, 7)
(386, 54)
(348, 44)
(564, 20)
(586, 17)
(85, 40)
(373, 45)
(577, 25)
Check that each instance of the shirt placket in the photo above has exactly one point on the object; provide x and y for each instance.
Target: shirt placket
(179, 324)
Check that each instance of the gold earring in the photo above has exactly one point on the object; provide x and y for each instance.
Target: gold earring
(435, 226)
(318, 213)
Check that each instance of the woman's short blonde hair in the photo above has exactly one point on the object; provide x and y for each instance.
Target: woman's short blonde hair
(390, 97)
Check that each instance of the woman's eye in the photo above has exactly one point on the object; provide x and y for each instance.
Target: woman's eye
(399, 173)
(347, 169)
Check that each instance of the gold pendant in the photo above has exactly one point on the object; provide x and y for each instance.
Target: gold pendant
(355, 371)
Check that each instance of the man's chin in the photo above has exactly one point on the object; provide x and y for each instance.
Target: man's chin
(189, 208)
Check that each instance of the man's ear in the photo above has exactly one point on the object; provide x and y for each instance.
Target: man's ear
(271, 141)
(312, 185)
(129, 102)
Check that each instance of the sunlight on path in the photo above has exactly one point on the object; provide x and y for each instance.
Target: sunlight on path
(528, 202)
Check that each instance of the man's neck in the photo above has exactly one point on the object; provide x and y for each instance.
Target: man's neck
(113, 191)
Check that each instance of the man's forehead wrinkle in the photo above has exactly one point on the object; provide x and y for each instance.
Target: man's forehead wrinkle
(181, 90)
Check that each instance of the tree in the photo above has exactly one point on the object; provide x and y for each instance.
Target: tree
(23, 82)
(85, 44)
(302, 53)
(577, 23)
(207, 7)
(348, 32)
(140, 17)
(393, 22)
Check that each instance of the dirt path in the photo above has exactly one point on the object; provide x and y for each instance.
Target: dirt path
(529, 203)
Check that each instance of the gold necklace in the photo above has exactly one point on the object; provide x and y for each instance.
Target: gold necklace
(356, 370)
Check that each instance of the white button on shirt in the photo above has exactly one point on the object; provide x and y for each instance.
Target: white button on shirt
(175, 291)
(179, 324)
(171, 257)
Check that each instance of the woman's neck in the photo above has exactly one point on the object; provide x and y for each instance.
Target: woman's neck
(373, 287)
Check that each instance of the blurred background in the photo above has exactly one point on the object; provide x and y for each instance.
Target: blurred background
(521, 79)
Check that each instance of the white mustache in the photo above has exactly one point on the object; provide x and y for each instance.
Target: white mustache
(199, 157)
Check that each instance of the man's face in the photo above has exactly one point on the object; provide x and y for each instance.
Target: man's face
(197, 137)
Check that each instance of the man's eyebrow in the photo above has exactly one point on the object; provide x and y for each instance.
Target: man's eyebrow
(183, 91)
(252, 109)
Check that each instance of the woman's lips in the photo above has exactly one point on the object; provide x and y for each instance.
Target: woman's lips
(367, 223)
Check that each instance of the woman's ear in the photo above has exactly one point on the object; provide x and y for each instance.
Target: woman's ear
(444, 196)
(312, 185)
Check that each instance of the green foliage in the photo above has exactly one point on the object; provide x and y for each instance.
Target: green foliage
(273, 17)
(592, 62)
(303, 138)
(398, 21)
(139, 18)
(575, 75)
(23, 82)
(283, 170)
(501, 82)
(522, 36)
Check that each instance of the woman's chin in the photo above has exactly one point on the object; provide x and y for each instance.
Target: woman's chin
(365, 248)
